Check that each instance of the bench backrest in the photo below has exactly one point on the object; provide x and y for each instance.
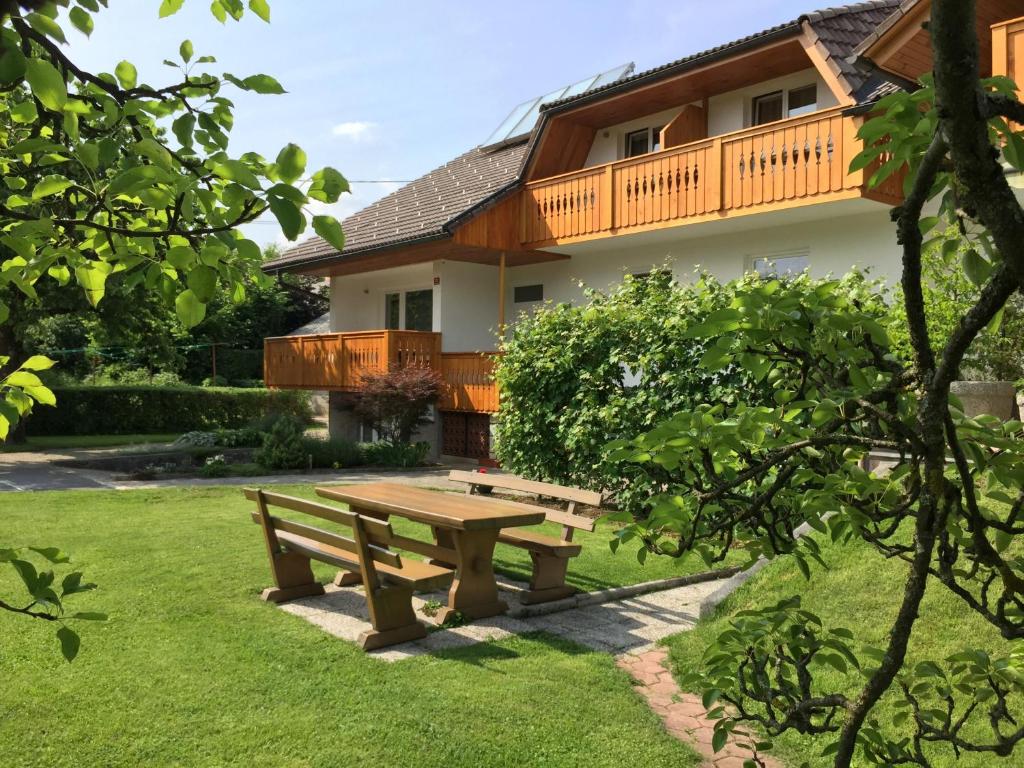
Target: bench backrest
(369, 539)
(572, 496)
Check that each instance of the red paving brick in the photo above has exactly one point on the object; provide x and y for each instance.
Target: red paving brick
(682, 713)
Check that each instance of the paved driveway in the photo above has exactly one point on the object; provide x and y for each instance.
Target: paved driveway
(38, 471)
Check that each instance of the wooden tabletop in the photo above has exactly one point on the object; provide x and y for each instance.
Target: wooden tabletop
(449, 510)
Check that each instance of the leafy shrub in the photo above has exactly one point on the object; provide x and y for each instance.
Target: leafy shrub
(139, 410)
(215, 466)
(397, 401)
(215, 381)
(197, 439)
(388, 454)
(332, 454)
(282, 446)
(574, 378)
(246, 437)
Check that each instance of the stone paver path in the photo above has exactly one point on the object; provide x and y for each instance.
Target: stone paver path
(682, 713)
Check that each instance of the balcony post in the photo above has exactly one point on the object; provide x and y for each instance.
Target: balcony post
(607, 199)
(501, 296)
(713, 202)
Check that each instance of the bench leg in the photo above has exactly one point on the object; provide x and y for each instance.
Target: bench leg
(293, 577)
(392, 617)
(348, 579)
(548, 580)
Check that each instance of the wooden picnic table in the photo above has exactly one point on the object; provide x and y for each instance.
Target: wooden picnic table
(465, 531)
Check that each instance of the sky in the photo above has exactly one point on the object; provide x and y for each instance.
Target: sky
(385, 92)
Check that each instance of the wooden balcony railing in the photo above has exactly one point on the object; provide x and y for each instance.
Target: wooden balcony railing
(1008, 50)
(339, 361)
(779, 164)
(469, 381)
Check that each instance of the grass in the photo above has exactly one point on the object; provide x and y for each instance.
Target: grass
(193, 669)
(56, 442)
(860, 591)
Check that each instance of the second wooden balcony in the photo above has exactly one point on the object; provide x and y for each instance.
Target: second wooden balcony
(798, 161)
(340, 361)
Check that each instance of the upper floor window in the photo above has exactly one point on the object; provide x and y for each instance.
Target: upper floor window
(643, 141)
(411, 310)
(778, 104)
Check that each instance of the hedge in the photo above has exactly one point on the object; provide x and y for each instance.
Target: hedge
(148, 409)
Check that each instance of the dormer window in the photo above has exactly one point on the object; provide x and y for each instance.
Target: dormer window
(643, 141)
(778, 104)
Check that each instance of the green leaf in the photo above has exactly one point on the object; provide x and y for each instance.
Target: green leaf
(328, 185)
(183, 128)
(190, 309)
(12, 64)
(93, 280)
(44, 25)
(81, 20)
(976, 267)
(263, 84)
(185, 50)
(127, 75)
(261, 9)
(170, 7)
(718, 739)
(69, 642)
(202, 281)
(38, 363)
(236, 170)
(50, 185)
(330, 230)
(180, 256)
(46, 83)
(154, 151)
(288, 216)
(291, 163)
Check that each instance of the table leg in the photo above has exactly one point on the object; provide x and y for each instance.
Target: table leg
(474, 592)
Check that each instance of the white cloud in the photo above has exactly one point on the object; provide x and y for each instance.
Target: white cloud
(356, 130)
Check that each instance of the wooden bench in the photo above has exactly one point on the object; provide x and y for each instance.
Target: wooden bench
(389, 580)
(550, 555)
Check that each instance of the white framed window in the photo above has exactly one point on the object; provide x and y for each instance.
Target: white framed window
(409, 310)
(783, 264)
(776, 105)
(642, 141)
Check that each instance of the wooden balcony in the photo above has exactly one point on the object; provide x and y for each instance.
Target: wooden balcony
(780, 165)
(339, 361)
(1008, 51)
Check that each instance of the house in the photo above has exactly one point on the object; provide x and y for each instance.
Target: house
(733, 159)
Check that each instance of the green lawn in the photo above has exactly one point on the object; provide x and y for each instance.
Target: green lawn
(50, 442)
(194, 670)
(860, 591)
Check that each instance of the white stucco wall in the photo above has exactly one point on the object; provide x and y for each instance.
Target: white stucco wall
(468, 306)
(731, 111)
(357, 301)
(609, 142)
(833, 246)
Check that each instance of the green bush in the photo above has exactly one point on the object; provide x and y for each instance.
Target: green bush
(332, 454)
(574, 378)
(246, 437)
(282, 446)
(121, 410)
(998, 352)
(387, 454)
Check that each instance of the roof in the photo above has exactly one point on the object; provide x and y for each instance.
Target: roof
(840, 29)
(320, 324)
(876, 34)
(418, 210)
(424, 209)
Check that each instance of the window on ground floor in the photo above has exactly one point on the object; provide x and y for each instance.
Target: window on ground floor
(409, 310)
(780, 264)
